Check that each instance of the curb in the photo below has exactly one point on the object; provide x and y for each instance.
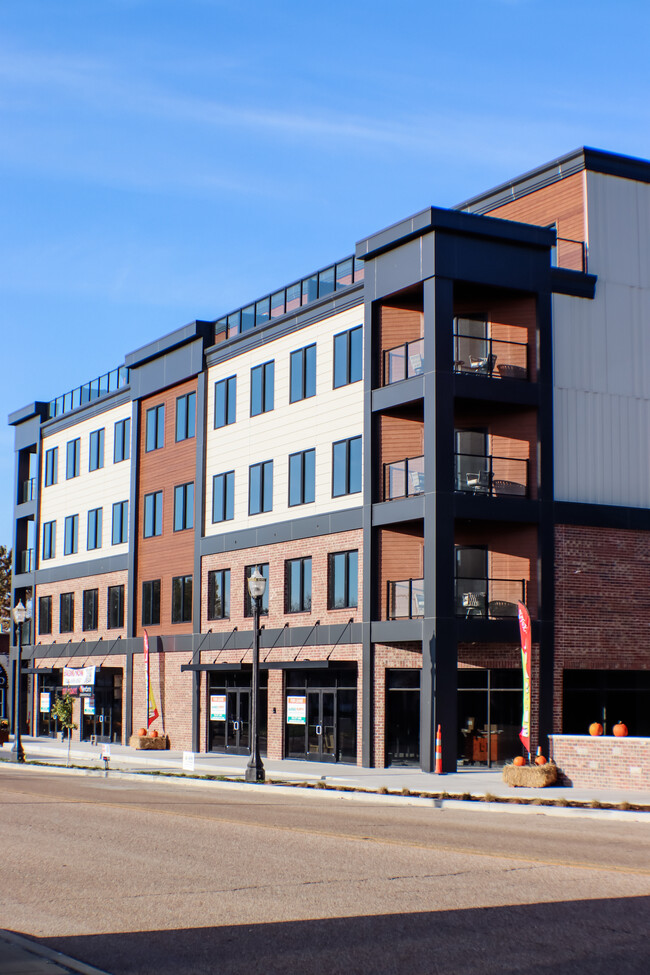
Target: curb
(49, 954)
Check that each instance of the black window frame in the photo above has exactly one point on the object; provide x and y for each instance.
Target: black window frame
(225, 390)
(222, 576)
(94, 520)
(299, 460)
(151, 602)
(120, 523)
(348, 472)
(227, 481)
(344, 345)
(263, 470)
(183, 513)
(73, 458)
(115, 607)
(96, 449)
(73, 549)
(51, 466)
(304, 599)
(185, 425)
(66, 599)
(157, 504)
(154, 428)
(90, 610)
(181, 598)
(266, 373)
(331, 582)
(304, 361)
(49, 540)
(248, 603)
(44, 624)
(122, 440)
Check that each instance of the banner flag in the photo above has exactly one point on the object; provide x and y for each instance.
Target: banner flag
(76, 676)
(152, 710)
(525, 636)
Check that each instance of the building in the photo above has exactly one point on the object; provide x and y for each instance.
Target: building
(408, 443)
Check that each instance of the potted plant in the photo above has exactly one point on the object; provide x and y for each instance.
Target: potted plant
(62, 711)
(4, 731)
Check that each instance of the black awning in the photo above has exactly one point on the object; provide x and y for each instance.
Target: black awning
(211, 667)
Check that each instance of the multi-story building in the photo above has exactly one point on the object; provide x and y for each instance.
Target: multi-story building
(408, 443)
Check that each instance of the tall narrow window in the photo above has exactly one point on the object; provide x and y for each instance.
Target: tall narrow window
(94, 536)
(115, 609)
(260, 488)
(343, 580)
(348, 357)
(44, 614)
(89, 609)
(155, 428)
(248, 605)
(225, 401)
(153, 514)
(262, 388)
(71, 535)
(346, 467)
(122, 441)
(120, 532)
(302, 477)
(72, 458)
(223, 496)
(303, 374)
(51, 466)
(183, 506)
(151, 602)
(182, 599)
(185, 416)
(297, 585)
(49, 539)
(66, 612)
(96, 450)
(218, 594)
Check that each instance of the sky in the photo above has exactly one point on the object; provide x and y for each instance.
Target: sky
(168, 160)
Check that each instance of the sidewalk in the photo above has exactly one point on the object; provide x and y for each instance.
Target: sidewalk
(469, 781)
(21, 956)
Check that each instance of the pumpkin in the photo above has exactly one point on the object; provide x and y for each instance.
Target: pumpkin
(540, 760)
(620, 730)
(154, 733)
(519, 760)
(595, 729)
(142, 732)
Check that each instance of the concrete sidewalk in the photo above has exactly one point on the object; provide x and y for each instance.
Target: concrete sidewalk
(21, 956)
(466, 781)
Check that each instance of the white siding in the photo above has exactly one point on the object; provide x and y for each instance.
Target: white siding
(330, 415)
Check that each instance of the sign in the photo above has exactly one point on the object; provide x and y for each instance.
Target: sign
(89, 705)
(86, 690)
(525, 636)
(106, 751)
(44, 705)
(217, 707)
(76, 676)
(188, 761)
(296, 710)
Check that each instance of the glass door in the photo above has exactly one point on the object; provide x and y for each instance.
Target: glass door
(238, 726)
(321, 725)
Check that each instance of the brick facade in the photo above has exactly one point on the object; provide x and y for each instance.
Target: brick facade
(602, 763)
(78, 586)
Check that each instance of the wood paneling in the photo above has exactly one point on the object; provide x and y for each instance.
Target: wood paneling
(562, 203)
(401, 554)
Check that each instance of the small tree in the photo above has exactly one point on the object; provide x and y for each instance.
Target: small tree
(62, 711)
(5, 588)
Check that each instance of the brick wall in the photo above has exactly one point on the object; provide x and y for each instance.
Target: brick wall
(602, 763)
(172, 691)
(77, 586)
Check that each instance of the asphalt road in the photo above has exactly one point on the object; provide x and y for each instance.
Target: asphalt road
(151, 877)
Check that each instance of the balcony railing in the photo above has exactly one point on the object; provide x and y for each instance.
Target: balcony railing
(403, 362)
(26, 560)
(495, 358)
(493, 476)
(571, 254)
(405, 599)
(110, 382)
(28, 490)
(489, 598)
(403, 478)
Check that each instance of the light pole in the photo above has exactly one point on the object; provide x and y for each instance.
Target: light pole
(19, 614)
(256, 590)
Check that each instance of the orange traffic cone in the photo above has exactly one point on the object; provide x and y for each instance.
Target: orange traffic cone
(439, 751)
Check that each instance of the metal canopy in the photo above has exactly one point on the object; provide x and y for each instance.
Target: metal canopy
(275, 665)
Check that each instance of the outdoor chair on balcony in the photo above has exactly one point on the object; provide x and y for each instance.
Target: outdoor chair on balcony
(415, 364)
(507, 371)
(510, 488)
(501, 609)
(473, 603)
(483, 363)
(478, 482)
(417, 481)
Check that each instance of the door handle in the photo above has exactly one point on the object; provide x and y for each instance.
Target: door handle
(319, 729)
(235, 725)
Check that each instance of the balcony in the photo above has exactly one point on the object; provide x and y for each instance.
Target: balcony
(403, 478)
(405, 599)
(26, 560)
(403, 362)
(571, 254)
(489, 598)
(492, 476)
(494, 358)
(28, 490)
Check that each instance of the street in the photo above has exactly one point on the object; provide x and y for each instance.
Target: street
(152, 876)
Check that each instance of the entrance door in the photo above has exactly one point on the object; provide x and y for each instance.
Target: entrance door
(238, 725)
(402, 717)
(321, 725)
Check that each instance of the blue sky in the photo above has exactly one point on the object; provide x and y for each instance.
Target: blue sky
(166, 160)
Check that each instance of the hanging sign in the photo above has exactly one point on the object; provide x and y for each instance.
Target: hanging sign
(76, 676)
(524, 632)
(89, 705)
(45, 702)
(296, 710)
(217, 707)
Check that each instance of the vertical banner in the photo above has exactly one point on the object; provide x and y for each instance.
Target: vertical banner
(152, 710)
(524, 633)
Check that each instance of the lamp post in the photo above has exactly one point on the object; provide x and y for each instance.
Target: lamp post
(19, 614)
(256, 590)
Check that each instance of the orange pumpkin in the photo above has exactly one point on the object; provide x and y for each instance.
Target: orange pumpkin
(519, 760)
(540, 760)
(620, 730)
(595, 729)
(142, 732)
(154, 733)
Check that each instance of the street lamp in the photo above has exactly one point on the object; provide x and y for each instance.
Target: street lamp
(19, 614)
(256, 589)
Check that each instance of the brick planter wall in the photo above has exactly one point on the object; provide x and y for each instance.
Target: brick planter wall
(604, 763)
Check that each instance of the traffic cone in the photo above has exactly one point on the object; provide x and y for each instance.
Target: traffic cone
(439, 751)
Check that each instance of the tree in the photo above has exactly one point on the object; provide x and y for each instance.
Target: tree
(62, 711)
(5, 589)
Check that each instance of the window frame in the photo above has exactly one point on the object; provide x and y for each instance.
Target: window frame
(331, 582)
(44, 601)
(348, 467)
(303, 598)
(122, 439)
(248, 603)
(224, 575)
(98, 529)
(186, 418)
(119, 598)
(302, 359)
(51, 466)
(72, 458)
(73, 547)
(266, 372)
(229, 386)
(347, 337)
(153, 598)
(185, 587)
(227, 496)
(90, 607)
(121, 512)
(49, 535)
(96, 449)
(300, 457)
(184, 505)
(263, 469)
(154, 425)
(157, 514)
(68, 597)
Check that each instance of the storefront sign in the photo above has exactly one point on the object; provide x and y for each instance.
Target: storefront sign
(45, 702)
(89, 705)
(296, 710)
(217, 707)
(76, 676)
(188, 761)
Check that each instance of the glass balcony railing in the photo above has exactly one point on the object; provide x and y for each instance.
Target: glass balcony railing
(28, 490)
(403, 362)
(110, 382)
(571, 254)
(490, 357)
(26, 560)
(493, 476)
(405, 599)
(489, 598)
(403, 478)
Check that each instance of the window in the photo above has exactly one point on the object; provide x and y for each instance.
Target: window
(94, 538)
(262, 383)
(225, 402)
(155, 433)
(66, 612)
(49, 540)
(115, 610)
(223, 496)
(183, 506)
(122, 441)
(120, 531)
(51, 466)
(44, 614)
(343, 579)
(185, 416)
(302, 477)
(96, 450)
(151, 602)
(71, 536)
(153, 514)
(297, 585)
(182, 599)
(89, 614)
(346, 467)
(248, 602)
(260, 487)
(348, 357)
(218, 594)
(72, 455)
(303, 374)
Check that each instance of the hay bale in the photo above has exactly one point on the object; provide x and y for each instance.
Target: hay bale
(147, 741)
(530, 776)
